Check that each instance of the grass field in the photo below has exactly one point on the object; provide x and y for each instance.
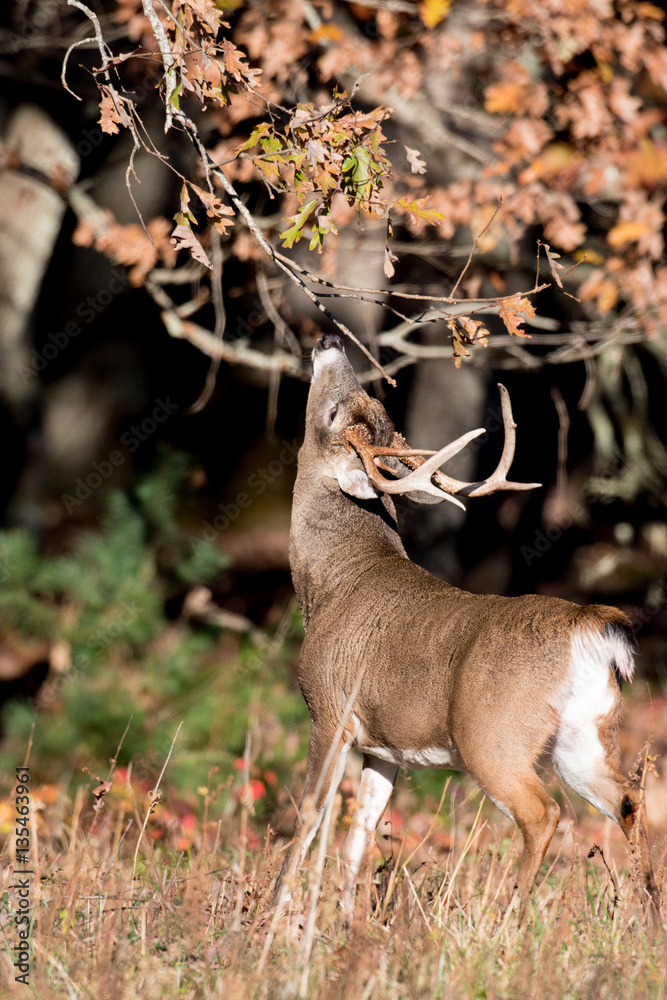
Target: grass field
(129, 902)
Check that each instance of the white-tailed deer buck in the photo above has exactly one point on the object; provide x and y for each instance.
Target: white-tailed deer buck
(414, 672)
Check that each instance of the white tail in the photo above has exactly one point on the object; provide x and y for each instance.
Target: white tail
(414, 672)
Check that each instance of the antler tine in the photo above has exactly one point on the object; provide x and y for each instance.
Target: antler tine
(420, 479)
(498, 479)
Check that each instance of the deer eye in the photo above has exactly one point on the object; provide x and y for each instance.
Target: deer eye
(332, 414)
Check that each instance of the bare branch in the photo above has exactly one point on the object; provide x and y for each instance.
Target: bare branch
(474, 247)
(63, 72)
(167, 58)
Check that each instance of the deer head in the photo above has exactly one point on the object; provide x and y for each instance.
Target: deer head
(355, 438)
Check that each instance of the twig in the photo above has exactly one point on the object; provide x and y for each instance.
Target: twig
(283, 337)
(315, 887)
(472, 837)
(474, 247)
(293, 276)
(128, 119)
(63, 72)
(167, 58)
(29, 747)
(563, 432)
(396, 293)
(149, 810)
(238, 907)
(217, 259)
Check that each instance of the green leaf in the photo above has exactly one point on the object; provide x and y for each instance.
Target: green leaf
(270, 144)
(417, 210)
(294, 233)
(259, 132)
(175, 97)
(361, 170)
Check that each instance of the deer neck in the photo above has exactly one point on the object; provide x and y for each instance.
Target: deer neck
(335, 539)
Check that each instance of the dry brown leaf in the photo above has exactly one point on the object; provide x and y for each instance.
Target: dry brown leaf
(509, 311)
(109, 119)
(206, 12)
(84, 234)
(184, 239)
(626, 232)
(129, 245)
(646, 167)
(564, 233)
(601, 288)
(554, 266)
(416, 165)
(503, 98)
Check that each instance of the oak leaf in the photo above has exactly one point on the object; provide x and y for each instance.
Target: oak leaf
(416, 210)
(416, 165)
(627, 232)
(184, 239)
(109, 119)
(206, 13)
(509, 311)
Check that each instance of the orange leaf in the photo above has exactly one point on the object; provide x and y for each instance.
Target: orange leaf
(508, 310)
(432, 12)
(503, 98)
(627, 232)
(326, 33)
(109, 119)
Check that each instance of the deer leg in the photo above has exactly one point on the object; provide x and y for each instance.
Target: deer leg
(518, 793)
(377, 782)
(536, 814)
(327, 753)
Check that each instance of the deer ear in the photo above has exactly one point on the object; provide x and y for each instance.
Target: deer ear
(356, 483)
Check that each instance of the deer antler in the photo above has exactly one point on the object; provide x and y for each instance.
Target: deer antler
(421, 478)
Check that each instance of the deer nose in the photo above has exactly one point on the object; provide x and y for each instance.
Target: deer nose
(329, 340)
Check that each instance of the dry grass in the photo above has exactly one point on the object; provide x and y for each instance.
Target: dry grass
(116, 918)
